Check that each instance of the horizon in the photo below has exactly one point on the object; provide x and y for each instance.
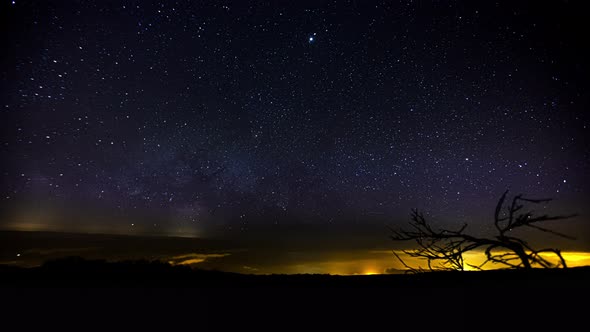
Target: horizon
(237, 255)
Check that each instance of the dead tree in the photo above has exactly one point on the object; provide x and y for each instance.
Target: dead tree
(443, 249)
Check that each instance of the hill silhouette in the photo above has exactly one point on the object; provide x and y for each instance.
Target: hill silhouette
(79, 272)
(143, 293)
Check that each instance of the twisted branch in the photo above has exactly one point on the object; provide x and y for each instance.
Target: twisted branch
(443, 249)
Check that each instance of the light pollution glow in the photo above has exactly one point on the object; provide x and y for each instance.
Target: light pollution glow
(372, 262)
(354, 262)
(52, 221)
(190, 259)
(343, 262)
(477, 258)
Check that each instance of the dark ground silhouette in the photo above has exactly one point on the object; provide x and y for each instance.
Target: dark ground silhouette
(131, 294)
(79, 272)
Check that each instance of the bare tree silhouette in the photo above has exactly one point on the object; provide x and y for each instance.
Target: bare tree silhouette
(443, 249)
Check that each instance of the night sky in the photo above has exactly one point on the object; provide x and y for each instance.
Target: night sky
(194, 117)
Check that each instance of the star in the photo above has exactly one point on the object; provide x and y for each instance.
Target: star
(312, 38)
(220, 119)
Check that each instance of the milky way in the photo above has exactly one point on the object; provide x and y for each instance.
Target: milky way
(230, 114)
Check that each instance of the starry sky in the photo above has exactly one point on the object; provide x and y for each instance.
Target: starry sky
(197, 117)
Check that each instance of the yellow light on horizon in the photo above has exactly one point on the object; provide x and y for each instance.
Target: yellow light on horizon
(474, 258)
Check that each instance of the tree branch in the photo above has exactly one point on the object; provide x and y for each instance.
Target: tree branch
(443, 249)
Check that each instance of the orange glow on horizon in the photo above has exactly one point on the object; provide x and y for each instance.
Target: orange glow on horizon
(247, 260)
(383, 262)
(476, 258)
(193, 258)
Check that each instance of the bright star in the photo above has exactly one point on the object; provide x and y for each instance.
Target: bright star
(312, 38)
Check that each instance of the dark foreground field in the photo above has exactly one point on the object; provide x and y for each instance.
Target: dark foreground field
(152, 293)
(79, 272)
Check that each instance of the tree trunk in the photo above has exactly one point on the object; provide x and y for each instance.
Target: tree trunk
(519, 250)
